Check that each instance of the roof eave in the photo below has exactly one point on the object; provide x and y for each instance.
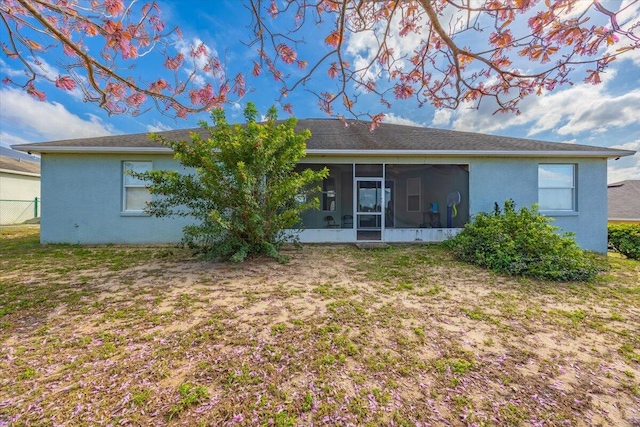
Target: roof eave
(103, 150)
(15, 172)
(345, 152)
(474, 153)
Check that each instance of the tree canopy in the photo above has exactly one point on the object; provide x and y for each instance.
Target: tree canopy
(442, 52)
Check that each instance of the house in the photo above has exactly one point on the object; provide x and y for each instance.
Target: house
(19, 190)
(396, 184)
(624, 202)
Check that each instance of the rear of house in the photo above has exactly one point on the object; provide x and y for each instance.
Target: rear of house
(396, 184)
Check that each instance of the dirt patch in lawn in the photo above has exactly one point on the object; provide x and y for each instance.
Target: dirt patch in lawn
(338, 336)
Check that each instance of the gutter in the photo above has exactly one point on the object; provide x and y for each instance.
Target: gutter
(339, 152)
(475, 153)
(104, 150)
(11, 171)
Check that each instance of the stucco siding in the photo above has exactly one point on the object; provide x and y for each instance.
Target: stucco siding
(19, 187)
(590, 222)
(82, 196)
(82, 202)
(496, 180)
(17, 197)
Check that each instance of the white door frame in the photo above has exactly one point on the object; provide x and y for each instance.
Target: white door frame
(357, 212)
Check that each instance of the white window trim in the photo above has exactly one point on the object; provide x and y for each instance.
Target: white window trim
(574, 202)
(131, 212)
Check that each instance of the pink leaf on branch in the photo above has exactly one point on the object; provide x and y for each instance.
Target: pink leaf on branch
(158, 86)
(413, 49)
(114, 7)
(65, 82)
(175, 62)
(287, 54)
(420, 49)
(238, 85)
(39, 95)
(136, 100)
(333, 39)
(123, 33)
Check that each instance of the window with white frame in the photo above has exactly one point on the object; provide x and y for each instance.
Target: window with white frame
(413, 195)
(135, 194)
(556, 187)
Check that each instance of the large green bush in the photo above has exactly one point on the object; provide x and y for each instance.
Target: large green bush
(625, 238)
(241, 187)
(523, 243)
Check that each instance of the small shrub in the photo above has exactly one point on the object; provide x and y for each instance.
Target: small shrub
(523, 243)
(625, 238)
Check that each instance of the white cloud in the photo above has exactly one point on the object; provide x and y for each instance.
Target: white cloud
(39, 65)
(442, 118)
(572, 111)
(577, 9)
(43, 68)
(158, 127)
(7, 70)
(397, 120)
(185, 46)
(363, 47)
(46, 121)
(46, 69)
(626, 167)
(195, 63)
(633, 145)
(628, 18)
(601, 113)
(7, 140)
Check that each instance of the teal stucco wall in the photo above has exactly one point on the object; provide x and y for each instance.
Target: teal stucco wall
(82, 196)
(82, 202)
(496, 180)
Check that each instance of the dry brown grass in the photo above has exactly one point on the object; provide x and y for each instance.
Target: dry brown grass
(404, 336)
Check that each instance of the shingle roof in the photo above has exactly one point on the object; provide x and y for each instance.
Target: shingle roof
(331, 135)
(624, 200)
(19, 166)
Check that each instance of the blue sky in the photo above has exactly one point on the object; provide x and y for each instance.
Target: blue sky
(606, 115)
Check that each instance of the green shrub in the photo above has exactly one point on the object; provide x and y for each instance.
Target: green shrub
(625, 238)
(523, 243)
(241, 186)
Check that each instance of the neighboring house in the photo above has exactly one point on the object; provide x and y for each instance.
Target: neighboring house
(391, 185)
(624, 202)
(19, 190)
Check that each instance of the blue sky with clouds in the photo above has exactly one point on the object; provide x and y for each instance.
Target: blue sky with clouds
(606, 115)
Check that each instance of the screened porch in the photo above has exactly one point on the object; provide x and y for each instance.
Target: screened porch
(388, 202)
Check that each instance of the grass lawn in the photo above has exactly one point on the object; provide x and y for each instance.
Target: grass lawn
(404, 336)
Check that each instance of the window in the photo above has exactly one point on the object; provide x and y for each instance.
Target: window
(135, 194)
(413, 195)
(329, 194)
(556, 187)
